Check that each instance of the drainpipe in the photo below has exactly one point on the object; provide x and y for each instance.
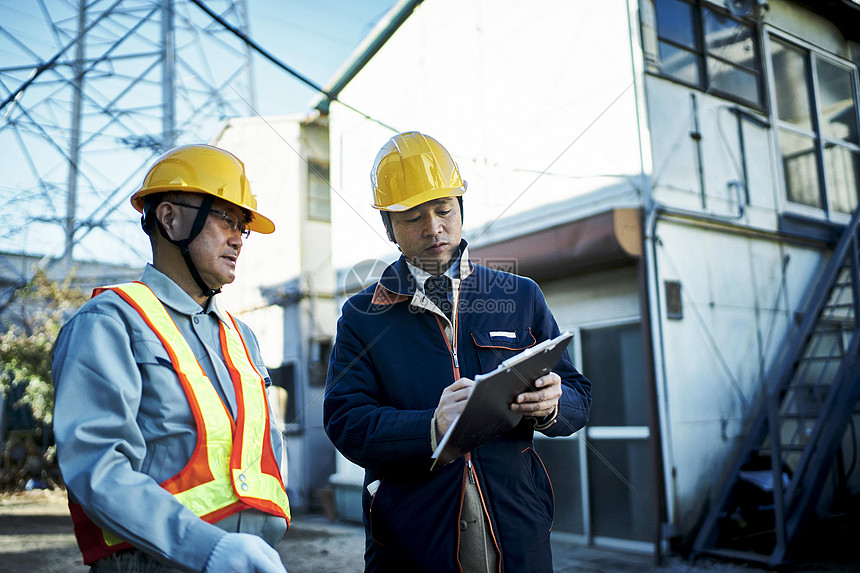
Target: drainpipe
(696, 136)
(664, 475)
(648, 300)
(655, 438)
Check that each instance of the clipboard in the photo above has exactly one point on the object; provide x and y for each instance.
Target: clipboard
(487, 414)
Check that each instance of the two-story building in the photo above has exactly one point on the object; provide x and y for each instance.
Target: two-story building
(285, 285)
(676, 175)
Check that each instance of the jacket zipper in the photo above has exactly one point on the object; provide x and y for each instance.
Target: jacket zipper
(470, 468)
(454, 316)
(451, 349)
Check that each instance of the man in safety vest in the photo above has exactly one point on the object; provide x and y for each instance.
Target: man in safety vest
(165, 439)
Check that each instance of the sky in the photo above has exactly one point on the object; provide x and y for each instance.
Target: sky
(314, 38)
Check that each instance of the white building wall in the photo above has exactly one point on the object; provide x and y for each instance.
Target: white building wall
(517, 92)
(739, 298)
(676, 179)
(275, 151)
(274, 169)
(741, 283)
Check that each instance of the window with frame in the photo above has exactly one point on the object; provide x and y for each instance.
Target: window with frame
(815, 112)
(320, 352)
(319, 193)
(706, 48)
(283, 392)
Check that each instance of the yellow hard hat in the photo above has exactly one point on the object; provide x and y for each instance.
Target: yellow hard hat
(413, 168)
(203, 169)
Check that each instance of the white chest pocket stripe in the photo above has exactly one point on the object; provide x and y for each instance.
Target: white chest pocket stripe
(503, 334)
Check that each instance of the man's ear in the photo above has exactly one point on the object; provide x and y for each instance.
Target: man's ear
(166, 214)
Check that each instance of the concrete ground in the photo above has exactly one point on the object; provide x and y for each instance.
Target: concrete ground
(316, 544)
(36, 537)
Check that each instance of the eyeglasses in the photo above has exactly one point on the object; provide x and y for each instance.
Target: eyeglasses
(231, 220)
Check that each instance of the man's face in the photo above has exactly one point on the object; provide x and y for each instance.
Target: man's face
(429, 235)
(216, 249)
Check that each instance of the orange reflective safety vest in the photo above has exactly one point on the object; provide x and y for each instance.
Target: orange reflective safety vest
(232, 467)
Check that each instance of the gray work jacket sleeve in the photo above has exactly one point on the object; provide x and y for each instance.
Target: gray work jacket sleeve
(107, 438)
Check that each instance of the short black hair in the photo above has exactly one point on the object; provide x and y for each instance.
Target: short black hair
(150, 204)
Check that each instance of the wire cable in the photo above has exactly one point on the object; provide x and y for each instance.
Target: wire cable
(266, 54)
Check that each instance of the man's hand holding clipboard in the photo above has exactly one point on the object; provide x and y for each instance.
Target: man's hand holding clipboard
(496, 401)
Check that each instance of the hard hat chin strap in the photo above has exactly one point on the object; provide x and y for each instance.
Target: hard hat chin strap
(199, 222)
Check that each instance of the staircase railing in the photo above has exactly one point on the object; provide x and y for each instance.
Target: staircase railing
(773, 484)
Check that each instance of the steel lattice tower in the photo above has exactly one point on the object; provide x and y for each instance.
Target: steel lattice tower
(90, 92)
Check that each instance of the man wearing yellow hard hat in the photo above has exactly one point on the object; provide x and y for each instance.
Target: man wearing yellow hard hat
(164, 436)
(407, 351)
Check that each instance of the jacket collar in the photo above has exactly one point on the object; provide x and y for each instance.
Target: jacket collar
(171, 295)
(398, 284)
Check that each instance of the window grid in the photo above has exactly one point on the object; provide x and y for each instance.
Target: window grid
(708, 49)
(819, 150)
(319, 192)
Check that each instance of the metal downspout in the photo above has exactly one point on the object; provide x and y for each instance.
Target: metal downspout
(655, 437)
(648, 298)
(658, 355)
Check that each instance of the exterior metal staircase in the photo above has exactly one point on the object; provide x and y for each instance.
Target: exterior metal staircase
(773, 486)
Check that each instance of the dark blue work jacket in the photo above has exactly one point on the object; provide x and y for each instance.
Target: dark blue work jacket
(390, 363)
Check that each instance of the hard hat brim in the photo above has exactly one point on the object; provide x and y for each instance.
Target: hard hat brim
(420, 198)
(259, 223)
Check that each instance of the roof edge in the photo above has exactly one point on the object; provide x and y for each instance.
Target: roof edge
(368, 48)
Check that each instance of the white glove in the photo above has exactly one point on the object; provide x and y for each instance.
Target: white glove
(243, 553)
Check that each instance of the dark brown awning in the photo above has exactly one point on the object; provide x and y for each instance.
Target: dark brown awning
(609, 239)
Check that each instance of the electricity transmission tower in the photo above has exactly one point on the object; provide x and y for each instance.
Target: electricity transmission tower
(91, 91)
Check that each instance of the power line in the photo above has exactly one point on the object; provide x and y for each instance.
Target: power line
(266, 54)
(50, 63)
(122, 108)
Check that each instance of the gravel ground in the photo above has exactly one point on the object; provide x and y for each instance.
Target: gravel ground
(36, 537)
